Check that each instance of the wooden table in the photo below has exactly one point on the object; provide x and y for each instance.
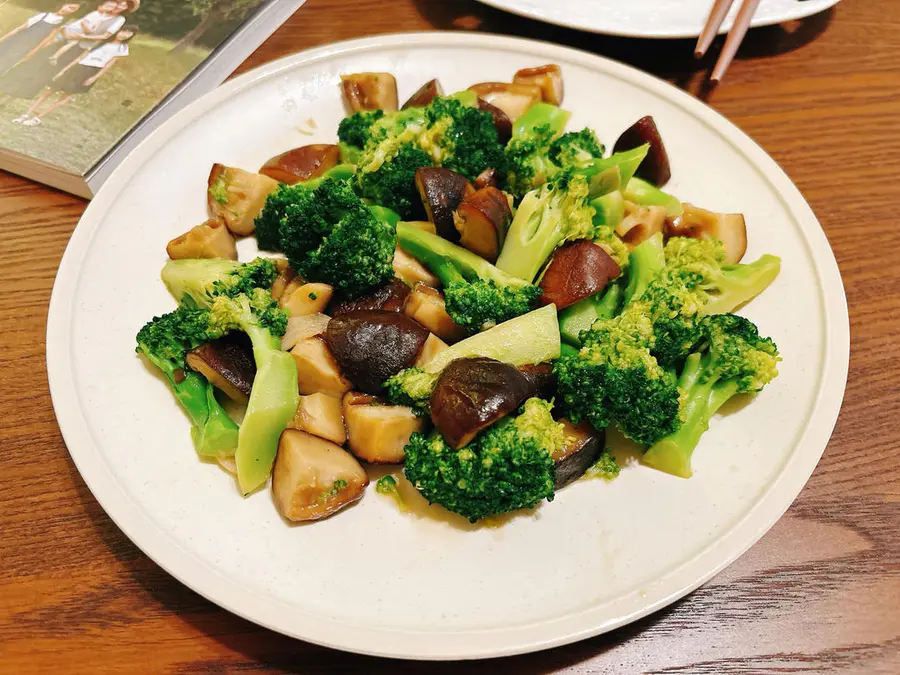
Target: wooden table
(820, 592)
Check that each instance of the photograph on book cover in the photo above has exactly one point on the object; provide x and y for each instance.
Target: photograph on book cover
(75, 77)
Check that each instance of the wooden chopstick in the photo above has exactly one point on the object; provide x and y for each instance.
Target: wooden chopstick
(713, 23)
(735, 36)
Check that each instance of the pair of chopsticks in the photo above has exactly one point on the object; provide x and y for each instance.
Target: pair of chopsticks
(733, 41)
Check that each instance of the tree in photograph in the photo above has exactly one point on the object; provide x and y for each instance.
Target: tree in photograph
(213, 12)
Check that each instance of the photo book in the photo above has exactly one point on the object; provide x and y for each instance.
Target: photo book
(82, 83)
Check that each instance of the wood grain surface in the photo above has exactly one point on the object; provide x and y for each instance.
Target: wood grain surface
(819, 593)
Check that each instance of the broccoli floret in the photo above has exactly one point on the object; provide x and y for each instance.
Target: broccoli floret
(329, 235)
(357, 129)
(614, 378)
(412, 387)
(462, 137)
(575, 149)
(477, 294)
(268, 222)
(733, 359)
(164, 341)
(556, 212)
(393, 182)
(450, 131)
(606, 467)
(528, 151)
(237, 297)
(507, 467)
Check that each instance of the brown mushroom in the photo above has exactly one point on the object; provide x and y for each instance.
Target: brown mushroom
(655, 166)
(640, 223)
(212, 239)
(426, 305)
(236, 197)
(314, 478)
(512, 99)
(311, 298)
(317, 370)
(390, 297)
(411, 271)
(320, 415)
(301, 164)
(482, 220)
(442, 190)
(378, 433)
(228, 365)
(370, 91)
(425, 95)
(697, 223)
(576, 270)
(487, 178)
(286, 275)
(548, 78)
(501, 121)
(581, 449)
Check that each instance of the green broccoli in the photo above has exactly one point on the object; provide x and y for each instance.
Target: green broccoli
(614, 378)
(237, 297)
(606, 467)
(477, 294)
(733, 359)
(507, 467)
(575, 149)
(556, 212)
(329, 235)
(164, 341)
(355, 131)
(526, 340)
(450, 131)
(268, 222)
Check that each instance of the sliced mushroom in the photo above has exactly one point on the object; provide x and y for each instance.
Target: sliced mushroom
(426, 305)
(300, 164)
(697, 223)
(655, 166)
(378, 433)
(411, 270)
(209, 240)
(370, 91)
(582, 448)
(320, 415)
(425, 95)
(577, 270)
(289, 288)
(317, 370)
(541, 379)
(300, 328)
(473, 393)
(442, 190)
(286, 275)
(236, 197)
(482, 220)
(487, 178)
(548, 78)
(228, 365)
(501, 120)
(391, 297)
(371, 346)
(311, 298)
(432, 347)
(512, 99)
(640, 223)
(314, 478)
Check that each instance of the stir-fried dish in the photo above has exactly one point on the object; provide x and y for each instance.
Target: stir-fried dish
(461, 286)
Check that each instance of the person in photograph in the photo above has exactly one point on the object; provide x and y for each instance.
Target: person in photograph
(79, 77)
(20, 42)
(30, 77)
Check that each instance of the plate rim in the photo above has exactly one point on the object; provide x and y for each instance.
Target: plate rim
(212, 584)
(504, 6)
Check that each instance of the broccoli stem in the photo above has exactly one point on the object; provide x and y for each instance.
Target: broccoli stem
(540, 115)
(219, 436)
(645, 262)
(273, 402)
(645, 194)
(609, 210)
(738, 284)
(705, 394)
(577, 318)
(627, 162)
(446, 260)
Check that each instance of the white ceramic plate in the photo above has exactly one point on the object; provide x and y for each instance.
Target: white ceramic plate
(371, 579)
(652, 18)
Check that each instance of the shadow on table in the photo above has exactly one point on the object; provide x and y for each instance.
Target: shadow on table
(672, 60)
